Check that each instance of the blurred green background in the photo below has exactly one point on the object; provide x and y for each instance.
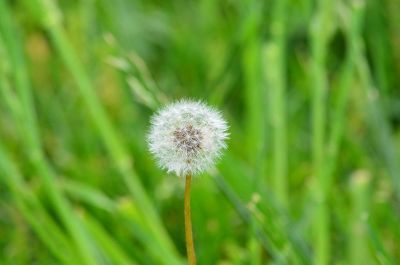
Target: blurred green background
(309, 88)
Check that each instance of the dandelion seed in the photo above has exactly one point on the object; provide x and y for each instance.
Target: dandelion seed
(187, 137)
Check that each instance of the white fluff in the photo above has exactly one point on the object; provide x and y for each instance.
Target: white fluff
(187, 137)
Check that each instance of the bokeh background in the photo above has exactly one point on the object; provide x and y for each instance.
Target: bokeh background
(310, 90)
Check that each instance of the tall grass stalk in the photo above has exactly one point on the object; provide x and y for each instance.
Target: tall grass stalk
(251, 63)
(255, 122)
(320, 35)
(358, 241)
(48, 13)
(380, 128)
(375, 117)
(346, 78)
(275, 75)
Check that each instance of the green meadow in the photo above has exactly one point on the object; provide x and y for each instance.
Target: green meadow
(309, 88)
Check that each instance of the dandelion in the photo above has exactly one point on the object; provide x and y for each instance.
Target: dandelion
(186, 138)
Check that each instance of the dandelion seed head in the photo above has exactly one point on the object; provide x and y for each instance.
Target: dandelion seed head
(187, 137)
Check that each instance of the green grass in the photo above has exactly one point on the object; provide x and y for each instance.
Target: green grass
(309, 89)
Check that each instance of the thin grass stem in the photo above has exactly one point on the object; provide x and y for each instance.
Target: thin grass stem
(275, 75)
(320, 36)
(358, 241)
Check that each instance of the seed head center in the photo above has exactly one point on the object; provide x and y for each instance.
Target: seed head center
(188, 139)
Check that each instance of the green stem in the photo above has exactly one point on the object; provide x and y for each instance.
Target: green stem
(320, 35)
(275, 73)
(255, 121)
(371, 100)
(358, 241)
(188, 224)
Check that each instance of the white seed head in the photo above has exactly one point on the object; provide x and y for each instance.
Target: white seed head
(187, 137)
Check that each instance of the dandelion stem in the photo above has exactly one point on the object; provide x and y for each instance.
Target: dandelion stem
(188, 224)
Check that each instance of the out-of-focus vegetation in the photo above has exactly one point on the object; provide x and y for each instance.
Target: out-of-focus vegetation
(310, 90)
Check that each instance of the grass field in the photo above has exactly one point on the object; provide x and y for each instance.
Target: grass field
(310, 90)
